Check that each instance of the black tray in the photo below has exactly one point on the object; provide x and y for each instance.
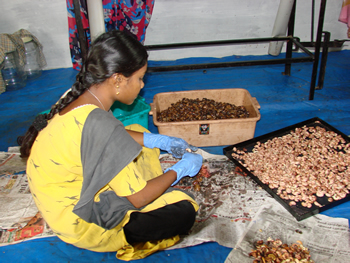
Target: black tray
(298, 211)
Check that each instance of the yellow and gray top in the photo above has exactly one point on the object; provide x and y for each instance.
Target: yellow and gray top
(80, 170)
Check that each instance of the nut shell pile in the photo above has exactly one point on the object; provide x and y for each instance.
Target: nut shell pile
(201, 109)
(276, 251)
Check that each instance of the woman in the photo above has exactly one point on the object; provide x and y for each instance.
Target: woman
(92, 180)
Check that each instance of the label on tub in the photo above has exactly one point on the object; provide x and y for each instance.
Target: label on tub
(204, 129)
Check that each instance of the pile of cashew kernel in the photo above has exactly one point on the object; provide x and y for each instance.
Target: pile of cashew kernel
(307, 163)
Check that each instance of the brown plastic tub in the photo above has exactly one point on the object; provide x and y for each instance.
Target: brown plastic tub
(209, 132)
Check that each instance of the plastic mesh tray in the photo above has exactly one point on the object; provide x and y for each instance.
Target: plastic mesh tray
(298, 211)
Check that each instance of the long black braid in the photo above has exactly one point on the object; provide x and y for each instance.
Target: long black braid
(112, 52)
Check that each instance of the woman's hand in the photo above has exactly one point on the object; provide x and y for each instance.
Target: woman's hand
(189, 165)
(176, 146)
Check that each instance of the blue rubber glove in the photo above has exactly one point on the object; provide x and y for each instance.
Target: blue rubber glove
(176, 146)
(189, 165)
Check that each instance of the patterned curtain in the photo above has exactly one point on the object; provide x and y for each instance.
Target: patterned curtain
(126, 15)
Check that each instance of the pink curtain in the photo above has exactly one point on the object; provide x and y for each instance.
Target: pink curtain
(345, 14)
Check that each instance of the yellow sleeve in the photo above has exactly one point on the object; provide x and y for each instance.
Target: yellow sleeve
(129, 181)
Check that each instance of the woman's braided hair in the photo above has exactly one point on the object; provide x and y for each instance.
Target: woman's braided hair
(112, 52)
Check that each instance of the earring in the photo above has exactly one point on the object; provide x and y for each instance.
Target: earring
(117, 90)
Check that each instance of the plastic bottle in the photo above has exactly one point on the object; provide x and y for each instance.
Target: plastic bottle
(12, 72)
(32, 66)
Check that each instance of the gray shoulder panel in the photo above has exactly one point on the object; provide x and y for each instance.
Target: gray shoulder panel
(106, 148)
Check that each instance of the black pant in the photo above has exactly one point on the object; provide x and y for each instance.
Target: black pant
(165, 222)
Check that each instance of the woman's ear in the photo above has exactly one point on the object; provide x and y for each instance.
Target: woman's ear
(116, 78)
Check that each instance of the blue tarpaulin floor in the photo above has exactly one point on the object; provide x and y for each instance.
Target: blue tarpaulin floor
(283, 100)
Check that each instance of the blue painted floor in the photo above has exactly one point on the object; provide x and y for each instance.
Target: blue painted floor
(283, 100)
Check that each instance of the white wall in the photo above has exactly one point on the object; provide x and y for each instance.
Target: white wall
(178, 21)
(173, 21)
(45, 19)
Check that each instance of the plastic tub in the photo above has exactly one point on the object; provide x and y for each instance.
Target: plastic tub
(132, 114)
(209, 132)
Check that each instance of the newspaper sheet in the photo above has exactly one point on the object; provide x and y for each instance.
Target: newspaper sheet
(227, 198)
(19, 216)
(326, 238)
(10, 162)
(228, 201)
